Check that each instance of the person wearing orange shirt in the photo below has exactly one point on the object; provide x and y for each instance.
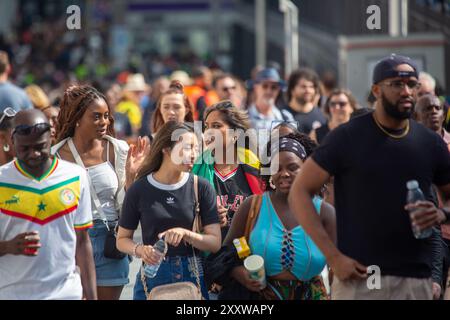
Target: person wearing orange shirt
(200, 92)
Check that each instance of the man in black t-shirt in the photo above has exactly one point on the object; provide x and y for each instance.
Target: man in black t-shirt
(371, 158)
(303, 88)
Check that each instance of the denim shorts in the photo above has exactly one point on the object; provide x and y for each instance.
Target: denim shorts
(110, 272)
(171, 270)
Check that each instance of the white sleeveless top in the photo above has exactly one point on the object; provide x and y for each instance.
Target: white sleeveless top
(105, 183)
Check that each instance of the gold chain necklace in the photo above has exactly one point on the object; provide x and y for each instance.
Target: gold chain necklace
(390, 134)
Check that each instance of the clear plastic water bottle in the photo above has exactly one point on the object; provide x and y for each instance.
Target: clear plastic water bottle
(160, 247)
(414, 195)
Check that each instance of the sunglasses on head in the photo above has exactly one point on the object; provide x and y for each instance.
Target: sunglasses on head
(8, 112)
(25, 130)
(288, 123)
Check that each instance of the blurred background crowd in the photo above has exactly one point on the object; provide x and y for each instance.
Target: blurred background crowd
(131, 50)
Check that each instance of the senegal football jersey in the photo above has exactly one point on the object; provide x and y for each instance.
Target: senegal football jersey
(56, 204)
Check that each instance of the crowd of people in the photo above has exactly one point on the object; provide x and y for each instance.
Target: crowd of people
(314, 181)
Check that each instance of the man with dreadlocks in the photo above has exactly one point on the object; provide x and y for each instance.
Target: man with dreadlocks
(85, 134)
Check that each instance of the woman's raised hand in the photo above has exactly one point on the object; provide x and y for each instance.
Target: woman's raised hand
(135, 158)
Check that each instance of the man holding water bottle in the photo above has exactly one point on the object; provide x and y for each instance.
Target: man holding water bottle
(372, 158)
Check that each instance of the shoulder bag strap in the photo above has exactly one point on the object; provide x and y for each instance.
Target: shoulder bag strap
(252, 215)
(196, 229)
(118, 154)
(94, 196)
(197, 226)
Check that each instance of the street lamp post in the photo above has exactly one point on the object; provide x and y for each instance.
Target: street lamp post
(398, 18)
(260, 32)
(291, 47)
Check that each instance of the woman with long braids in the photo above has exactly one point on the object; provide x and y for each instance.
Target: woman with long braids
(85, 135)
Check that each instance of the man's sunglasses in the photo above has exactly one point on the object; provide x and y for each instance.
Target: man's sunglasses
(8, 112)
(338, 103)
(400, 84)
(25, 130)
(272, 87)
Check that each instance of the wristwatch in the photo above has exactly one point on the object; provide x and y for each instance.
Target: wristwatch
(447, 215)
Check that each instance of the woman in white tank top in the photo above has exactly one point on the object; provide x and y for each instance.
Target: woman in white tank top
(85, 132)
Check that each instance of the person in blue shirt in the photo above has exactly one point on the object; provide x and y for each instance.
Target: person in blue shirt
(264, 111)
(11, 95)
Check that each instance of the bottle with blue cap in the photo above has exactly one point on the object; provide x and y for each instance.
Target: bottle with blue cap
(414, 195)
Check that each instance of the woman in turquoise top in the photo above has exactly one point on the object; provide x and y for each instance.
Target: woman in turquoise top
(292, 261)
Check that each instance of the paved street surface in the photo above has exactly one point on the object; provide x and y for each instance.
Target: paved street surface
(127, 293)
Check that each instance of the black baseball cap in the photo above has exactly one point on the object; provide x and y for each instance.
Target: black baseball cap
(385, 68)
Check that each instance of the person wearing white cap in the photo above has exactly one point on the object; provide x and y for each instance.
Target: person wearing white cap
(7, 152)
(134, 90)
(182, 77)
(427, 84)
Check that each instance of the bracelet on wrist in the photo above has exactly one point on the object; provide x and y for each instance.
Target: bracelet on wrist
(135, 250)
